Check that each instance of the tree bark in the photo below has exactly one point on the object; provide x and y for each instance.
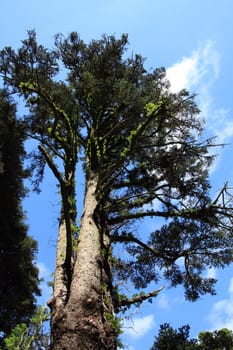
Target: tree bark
(86, 320)
(60, 283)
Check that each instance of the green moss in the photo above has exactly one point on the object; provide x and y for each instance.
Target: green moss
(115, 323)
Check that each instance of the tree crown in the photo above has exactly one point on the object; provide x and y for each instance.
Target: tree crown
(143, 145)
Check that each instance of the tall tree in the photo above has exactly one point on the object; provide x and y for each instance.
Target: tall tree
(142, 158)
(169, 338)
(18, 273)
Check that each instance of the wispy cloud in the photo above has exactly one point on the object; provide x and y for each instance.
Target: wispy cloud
(201, 68)
(44, 271)
(221, 314)
(138, 327)
(198, 73)
(163, 302)
(45, 275)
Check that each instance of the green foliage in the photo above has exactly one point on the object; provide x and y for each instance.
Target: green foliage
(142, 145)
(116, 324)
(31, 336)
(18, 273)
(217, 340)
(151, 108)
(169, 338)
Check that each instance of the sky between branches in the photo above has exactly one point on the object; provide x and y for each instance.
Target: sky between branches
(193, 40)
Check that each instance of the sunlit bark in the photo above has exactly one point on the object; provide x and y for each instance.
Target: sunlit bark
(86, 320)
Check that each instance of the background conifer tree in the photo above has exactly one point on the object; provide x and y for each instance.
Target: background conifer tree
(18, 272)
(169, 338)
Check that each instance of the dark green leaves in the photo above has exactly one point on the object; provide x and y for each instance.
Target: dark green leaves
(169, 338)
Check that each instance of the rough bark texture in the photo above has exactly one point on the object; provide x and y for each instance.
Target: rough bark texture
(60, 285)
(86, 320)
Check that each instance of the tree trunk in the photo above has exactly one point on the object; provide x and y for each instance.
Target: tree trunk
(86, 321)
(60, 283)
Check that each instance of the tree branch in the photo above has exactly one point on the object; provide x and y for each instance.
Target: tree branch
(51, 164)
(140, 215)
(138, 299)
(201, 214)
(130, 238)
(44, 142)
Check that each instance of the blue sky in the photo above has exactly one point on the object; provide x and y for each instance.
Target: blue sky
(193, 40)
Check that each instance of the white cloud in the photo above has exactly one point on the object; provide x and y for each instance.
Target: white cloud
(180, 74)
(138, 327)
(220, 125)
(221, 313)
(201, 67)
(198, 73)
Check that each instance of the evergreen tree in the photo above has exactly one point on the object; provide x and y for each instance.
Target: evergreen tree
(221, 339)
(18, 273)
(142, 158)
(169, 338)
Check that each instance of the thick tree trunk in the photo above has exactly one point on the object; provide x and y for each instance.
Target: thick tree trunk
(86, 321)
